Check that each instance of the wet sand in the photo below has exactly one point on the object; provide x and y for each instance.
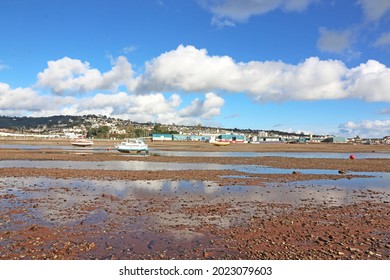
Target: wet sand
(192, 214)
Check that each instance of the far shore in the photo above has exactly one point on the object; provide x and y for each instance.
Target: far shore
(73, 213)
(208, 147)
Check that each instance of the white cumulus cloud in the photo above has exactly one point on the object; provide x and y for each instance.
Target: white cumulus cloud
(366, 129)
(29, 102)
(20, 99)
(369, 81)
(190, 69)
(72, 76)
(154, 107)
(155, 94)
(205, 109)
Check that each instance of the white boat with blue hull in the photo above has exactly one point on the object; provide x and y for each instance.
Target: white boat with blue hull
(133, 145)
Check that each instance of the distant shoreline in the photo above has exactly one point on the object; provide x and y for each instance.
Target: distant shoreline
(202, 146)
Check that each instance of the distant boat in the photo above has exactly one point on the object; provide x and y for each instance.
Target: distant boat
(220, 143)
(132, 145)
(82, 142)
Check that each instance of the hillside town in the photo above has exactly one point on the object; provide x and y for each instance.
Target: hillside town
(103, 127)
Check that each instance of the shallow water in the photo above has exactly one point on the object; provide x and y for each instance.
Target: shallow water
(154, 166)
(339, 192)
(378, 178)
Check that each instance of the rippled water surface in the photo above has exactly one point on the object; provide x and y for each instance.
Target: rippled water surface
(153, 166)
(343, 191)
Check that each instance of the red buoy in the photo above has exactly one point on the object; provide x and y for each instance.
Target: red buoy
(351, 157)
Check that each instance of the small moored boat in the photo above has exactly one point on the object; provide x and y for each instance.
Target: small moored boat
(220, 143)
(132, 145)
(82, 142)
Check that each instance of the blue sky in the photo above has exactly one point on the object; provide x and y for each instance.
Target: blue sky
(316, 66)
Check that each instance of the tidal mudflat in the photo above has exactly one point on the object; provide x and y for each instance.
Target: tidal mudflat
(62, 204)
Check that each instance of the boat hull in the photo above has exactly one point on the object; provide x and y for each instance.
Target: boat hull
(221, 143)
(129, 150)
(132, 145)
(82, 144)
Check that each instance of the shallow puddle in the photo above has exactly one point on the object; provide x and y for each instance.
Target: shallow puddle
(68, 194)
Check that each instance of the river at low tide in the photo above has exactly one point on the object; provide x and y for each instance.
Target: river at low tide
(202, 154)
